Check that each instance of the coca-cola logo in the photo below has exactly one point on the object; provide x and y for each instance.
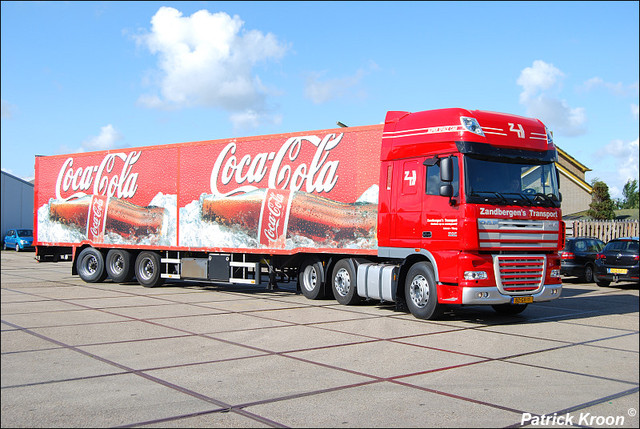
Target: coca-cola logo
(274, 205)
(80, 180)
(277, 167)
(98, 207)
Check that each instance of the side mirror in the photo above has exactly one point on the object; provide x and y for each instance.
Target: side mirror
(446, 170)
(446, 190)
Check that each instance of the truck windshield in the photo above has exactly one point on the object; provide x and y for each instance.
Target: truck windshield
(511, 183)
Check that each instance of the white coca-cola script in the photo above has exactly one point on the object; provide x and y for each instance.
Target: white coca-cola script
(98, 207)
(275, 213)
(122, 185)
(320, 175)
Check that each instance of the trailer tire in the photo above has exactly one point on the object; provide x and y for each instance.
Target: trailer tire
(147, 269)
(90, 265)
(343, 282)
(509, 309)
(119, 265)
(421, 292)
(311, 278)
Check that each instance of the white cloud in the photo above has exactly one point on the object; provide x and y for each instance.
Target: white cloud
(625, 155)
(107, 139)
(208, 60)
(540, 77)
(618, 89)
(320, 91)
(540, 85)
(252, 119)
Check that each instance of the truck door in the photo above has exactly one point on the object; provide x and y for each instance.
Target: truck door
(439, 213)
(408, 203)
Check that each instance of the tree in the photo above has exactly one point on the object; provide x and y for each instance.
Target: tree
(630, 193)
(601, 206)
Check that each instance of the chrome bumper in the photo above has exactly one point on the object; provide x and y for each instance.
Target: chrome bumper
(492, 296)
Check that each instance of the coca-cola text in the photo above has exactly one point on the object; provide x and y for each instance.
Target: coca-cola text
(317, 176)
(123, 185)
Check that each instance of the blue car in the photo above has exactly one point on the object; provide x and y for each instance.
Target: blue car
(19, 239)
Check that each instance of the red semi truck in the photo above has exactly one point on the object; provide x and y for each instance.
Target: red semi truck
(448, 206)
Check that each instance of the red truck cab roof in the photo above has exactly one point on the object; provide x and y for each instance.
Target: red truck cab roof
(410, 134)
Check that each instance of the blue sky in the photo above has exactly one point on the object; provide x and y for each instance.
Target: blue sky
(81, 76)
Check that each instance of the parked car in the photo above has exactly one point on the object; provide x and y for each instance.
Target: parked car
(19, 239)
(578, 257)
(617, 261)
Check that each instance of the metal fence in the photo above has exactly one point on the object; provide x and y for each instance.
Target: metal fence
(605, 230)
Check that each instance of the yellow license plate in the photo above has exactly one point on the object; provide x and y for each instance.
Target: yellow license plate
(617, 270)
(522, 300)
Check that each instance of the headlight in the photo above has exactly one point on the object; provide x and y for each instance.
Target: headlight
(475, 275)
(555, 273)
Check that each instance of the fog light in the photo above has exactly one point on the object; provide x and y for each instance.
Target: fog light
(475, 275)
(482, 294)
(554, 291)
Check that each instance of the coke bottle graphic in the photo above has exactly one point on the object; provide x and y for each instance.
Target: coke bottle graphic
(275, 214)
(99, 214)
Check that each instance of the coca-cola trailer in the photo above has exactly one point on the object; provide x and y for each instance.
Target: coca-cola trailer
(440, 207)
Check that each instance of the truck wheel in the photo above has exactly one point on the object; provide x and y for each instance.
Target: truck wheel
(147, 269)
(344, 282)
(509, 309)
(311, 278)
(119, 265)
(90, 265)
(421, 292)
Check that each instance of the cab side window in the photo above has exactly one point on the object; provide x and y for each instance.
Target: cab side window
(433, 181)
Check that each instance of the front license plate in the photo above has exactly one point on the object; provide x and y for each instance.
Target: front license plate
(617, 270)
(522, 300)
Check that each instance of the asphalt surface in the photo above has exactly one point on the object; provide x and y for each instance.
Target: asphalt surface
(112, 355)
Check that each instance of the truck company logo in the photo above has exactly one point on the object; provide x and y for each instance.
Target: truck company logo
(122, 185)
(319, 175)
(410, 176)
(518, 130)
(518, 213)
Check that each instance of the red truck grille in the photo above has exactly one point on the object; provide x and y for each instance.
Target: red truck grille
(519, 274)
(513, 234)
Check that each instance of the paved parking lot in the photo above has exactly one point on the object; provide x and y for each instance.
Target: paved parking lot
(78, 355)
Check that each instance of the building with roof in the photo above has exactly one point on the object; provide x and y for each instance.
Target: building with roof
(17, 203)
(576, 192)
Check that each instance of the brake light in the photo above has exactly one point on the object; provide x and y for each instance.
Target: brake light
(601, 256)
(636, 257)
(567, 255)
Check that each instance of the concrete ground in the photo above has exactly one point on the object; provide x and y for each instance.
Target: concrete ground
(98, 355)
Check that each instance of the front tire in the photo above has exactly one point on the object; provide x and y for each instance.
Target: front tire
(17, 247)
(90, 265)
(421, 292)
(119, 265)
(147, 269)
